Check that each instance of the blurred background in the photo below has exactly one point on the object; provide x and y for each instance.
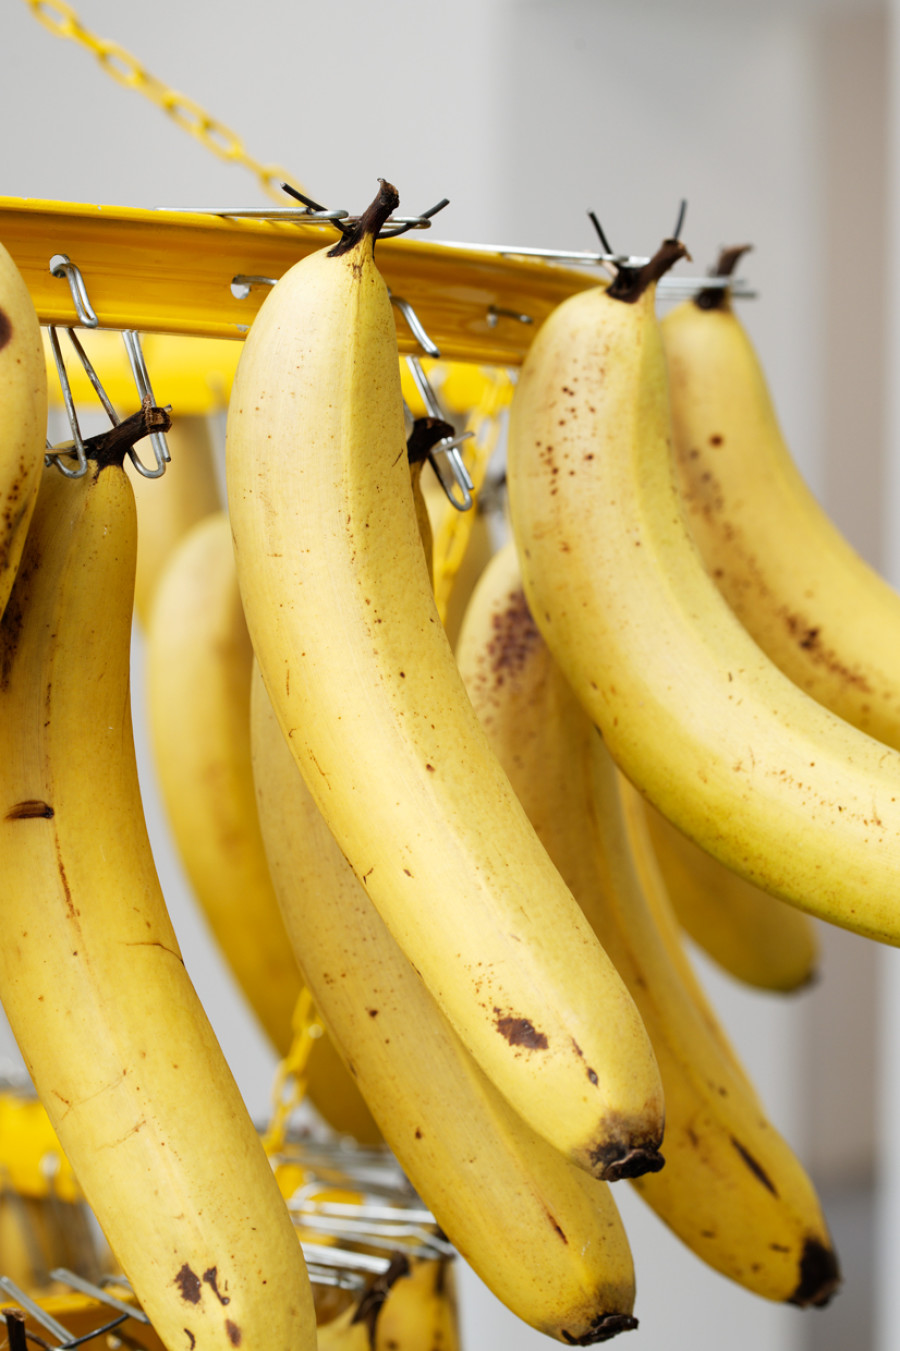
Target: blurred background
(778, 123)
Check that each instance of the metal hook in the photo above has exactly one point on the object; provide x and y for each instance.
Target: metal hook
(98, 1293)
(40, 1315)
(62, 266)
(496, 312)
(138, 365)
(52, 457)
(416, 328)
(445, 458)
(243, 283)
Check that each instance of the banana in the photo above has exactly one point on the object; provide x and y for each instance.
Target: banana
(819, 611)
(419, 1313)
(339, 604)
(752, 935)
(725, 745)
(731, 1189)
(199, 662)
(168, 506)
(23, 416)
(541, 1233)
(91, 978)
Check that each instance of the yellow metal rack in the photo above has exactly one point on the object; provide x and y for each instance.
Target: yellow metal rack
(166, 271)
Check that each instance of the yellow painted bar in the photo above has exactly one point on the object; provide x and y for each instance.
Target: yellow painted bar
(162, 271)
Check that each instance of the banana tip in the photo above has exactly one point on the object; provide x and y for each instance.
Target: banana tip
(819, 1275)
(602, 1328)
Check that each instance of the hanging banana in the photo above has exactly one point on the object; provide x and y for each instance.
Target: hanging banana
(339, 604)
(541, 1233)
(91, 977)
(23, 416)
(731, 1189)
(819, 611)
(726, 746)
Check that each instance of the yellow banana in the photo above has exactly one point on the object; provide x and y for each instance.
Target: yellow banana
(339, 604)
(818, 610)
(199, 662)
(91, 978)
(541, 1233)
(751, 934)
(420, 1312)
(23, 416)
(168, 506)
(726, 746)
(731, 1188)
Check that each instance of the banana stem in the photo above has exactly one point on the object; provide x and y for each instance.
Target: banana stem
(425, 435)
(631, 282)
(110, 447)
(717, 297)
(371, 220)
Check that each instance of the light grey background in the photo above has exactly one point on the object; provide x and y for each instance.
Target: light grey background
(776, 123)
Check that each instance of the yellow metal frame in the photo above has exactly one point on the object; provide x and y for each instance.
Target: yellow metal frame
(171, 272)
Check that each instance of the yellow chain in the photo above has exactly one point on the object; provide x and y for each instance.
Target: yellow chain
(289, 1087)
(453, 535)
(61, 19)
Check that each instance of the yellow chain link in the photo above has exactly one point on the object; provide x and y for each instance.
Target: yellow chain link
(455, 529)
(60, 18)
(289, 1086)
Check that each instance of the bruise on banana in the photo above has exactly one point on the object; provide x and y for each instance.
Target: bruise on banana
(6, 329)
(515, 636)
(30, 810)
(519, 1031)
(190, 1286)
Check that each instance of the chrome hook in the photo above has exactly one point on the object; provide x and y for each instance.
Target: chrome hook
(138, 365)
(62, 266)
(444, 457)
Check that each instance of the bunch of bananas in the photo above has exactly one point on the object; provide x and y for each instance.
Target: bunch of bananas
(476, 856)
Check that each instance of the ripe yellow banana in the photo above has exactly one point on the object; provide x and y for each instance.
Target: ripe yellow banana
(540, 1232)
(199, 663)
(419, 1313)
(23, 416)
(168, 506)
(726, 746)
(91, 978)
(753, 935)
(731, 1189)
(339, 604)
(818, 610)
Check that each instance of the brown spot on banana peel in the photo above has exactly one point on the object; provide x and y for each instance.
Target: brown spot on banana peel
(30, 810)
(6, 329)
(210, 1276)
(520, 1031)
(188, 1283)
(602, 1328)
(755, 1168)
(820, 1275)
(514, 637)
(234, 1332)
